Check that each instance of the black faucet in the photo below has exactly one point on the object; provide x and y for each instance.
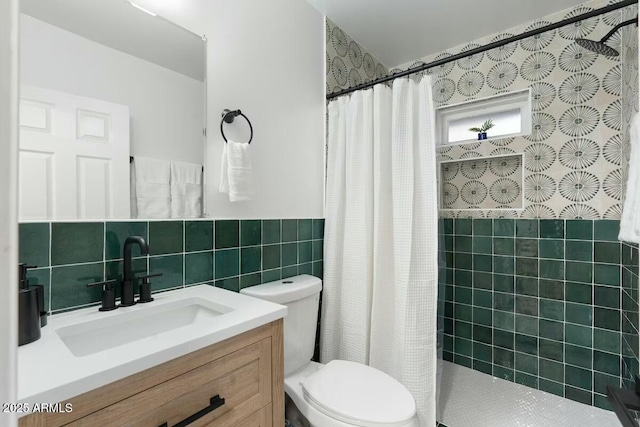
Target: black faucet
(127, 281)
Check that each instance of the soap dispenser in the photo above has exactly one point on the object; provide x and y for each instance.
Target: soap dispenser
(28, 309)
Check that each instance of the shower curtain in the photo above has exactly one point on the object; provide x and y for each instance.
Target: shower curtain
(380, 267)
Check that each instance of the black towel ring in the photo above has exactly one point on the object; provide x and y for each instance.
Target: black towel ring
(229, 116)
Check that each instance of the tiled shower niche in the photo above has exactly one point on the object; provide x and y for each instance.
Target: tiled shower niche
(482, 183)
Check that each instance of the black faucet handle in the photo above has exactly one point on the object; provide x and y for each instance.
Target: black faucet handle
(145, 288)
(106, 284)
(108, 294)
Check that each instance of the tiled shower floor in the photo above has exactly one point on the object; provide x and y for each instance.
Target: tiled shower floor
(472, 399)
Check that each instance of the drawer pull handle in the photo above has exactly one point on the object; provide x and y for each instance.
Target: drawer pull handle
(214, 403)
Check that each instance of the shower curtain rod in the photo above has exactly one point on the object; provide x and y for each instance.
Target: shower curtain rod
(481, 49)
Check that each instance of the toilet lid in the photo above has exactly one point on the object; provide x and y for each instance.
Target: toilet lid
(358, 394)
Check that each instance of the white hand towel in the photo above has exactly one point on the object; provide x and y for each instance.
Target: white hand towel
(132, 190)
(236, 172)
(186, 190)
(630, 221)
(224, 171)
(153, 193)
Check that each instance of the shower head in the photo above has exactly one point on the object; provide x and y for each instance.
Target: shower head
(601, 47)
(598, 47)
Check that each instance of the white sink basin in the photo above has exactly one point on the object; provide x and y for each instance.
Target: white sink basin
(85, 349)
(91, 337)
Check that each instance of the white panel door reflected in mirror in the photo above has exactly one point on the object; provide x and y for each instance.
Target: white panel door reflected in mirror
(103, 84)
(74, 156)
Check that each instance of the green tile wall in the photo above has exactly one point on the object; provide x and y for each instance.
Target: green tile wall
(231, 254)
(551, 304)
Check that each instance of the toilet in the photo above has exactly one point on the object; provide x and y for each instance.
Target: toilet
(340, 393)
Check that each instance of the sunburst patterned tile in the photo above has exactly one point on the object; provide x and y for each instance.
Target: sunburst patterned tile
(575, 160)
(348, 63)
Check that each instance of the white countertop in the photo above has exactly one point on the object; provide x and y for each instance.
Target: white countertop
(48, 372)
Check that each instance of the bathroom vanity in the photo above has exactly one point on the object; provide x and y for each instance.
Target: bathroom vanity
(216, 359)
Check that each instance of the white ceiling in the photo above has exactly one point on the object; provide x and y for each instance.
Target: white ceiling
(117, 24)
(401, 31)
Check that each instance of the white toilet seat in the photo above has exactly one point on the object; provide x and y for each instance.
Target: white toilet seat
(359, 395)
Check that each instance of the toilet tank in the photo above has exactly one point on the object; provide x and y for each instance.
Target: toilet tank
(301, 295)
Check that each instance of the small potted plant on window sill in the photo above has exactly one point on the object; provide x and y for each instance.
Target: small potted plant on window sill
(482, 130)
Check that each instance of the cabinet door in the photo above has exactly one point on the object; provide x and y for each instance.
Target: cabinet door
(262, 418)
(242, 379)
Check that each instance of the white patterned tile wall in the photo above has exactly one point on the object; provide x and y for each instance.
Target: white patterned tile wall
(348, 63)
(574, 158)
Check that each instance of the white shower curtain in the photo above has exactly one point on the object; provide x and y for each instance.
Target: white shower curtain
(380, 264)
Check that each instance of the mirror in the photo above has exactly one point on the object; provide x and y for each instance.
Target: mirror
(112, 113)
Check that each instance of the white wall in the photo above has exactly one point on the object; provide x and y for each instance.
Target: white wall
(267, 59)
(167, 113)
(8, 204)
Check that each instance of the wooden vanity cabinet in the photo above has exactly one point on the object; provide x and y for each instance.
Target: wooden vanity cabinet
(247, 371)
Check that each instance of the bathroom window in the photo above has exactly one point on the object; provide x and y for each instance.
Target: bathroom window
(510, 114)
